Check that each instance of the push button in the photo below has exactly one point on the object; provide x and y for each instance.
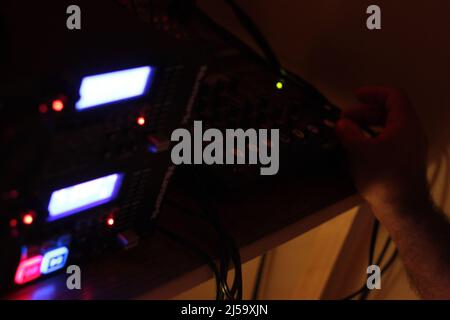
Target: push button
(54, 260)
(28, 270)
(157, 143)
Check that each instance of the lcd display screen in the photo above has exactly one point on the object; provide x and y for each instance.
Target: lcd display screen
(100, 89)
(83, 196)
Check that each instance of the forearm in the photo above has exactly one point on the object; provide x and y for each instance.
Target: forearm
(390, 172)
(422, 236)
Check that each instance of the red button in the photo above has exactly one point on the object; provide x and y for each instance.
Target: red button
(28, 270)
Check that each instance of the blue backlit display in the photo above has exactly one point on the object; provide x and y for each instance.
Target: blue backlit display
(114, 86)
(83, 196)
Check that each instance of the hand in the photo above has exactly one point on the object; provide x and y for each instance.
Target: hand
(390, 169)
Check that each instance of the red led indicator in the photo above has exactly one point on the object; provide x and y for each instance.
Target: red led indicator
(57, 105)
(28, 270)
(110, 222)
(28, 218)
(141, 121)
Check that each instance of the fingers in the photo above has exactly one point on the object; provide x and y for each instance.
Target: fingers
(396, 105)
(350, 134)
(374, 95)
(378, 105)
(366, 115)
(392, 100)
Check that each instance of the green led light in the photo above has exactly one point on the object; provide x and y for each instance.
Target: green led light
(279, 85)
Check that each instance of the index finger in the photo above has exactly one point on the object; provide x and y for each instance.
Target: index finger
(397, 105)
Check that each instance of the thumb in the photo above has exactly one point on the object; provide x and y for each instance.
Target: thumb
(350, 134)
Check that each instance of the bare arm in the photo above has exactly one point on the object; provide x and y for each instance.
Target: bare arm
(390, 173)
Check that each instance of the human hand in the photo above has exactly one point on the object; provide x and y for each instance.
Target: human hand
(390, 169)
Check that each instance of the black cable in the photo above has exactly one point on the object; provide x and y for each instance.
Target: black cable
(390, 261)
(354, 294)
(220, 290)
(259, 275)
(230, 247)
(250, 26)
(236, 288)
(373, 241)
(254, 31)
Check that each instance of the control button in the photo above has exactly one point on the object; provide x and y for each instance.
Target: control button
(28, 270)
(329, 123)
(298, 133)
(127, 239)
(313, 129)
(157, 143)
(54, 260)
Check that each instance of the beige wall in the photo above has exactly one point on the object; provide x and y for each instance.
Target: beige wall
(326, 42)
